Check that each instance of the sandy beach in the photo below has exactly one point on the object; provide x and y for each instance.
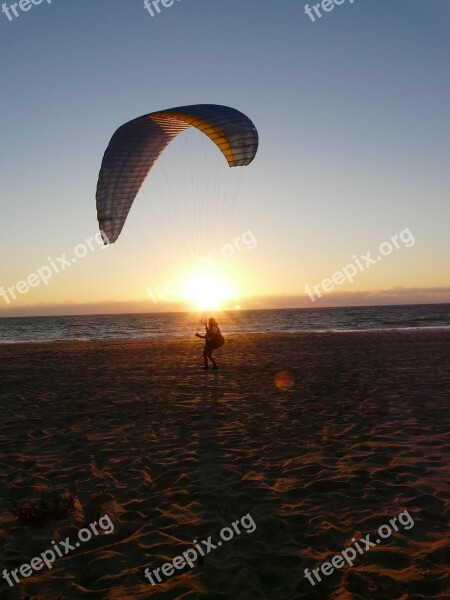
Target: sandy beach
(321, 438)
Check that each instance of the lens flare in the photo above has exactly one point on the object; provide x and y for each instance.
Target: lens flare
(284, 381)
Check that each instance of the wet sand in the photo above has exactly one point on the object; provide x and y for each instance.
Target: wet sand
(321, 438)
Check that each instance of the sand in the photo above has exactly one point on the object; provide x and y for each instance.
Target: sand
(353, 433)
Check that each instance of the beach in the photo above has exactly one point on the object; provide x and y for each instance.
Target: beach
(320, 438)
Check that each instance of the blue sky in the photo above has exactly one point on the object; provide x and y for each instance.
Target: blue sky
(352, 112)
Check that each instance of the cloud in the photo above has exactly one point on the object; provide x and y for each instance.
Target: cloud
(395, 295)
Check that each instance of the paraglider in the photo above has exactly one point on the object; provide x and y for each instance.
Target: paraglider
(136, 146)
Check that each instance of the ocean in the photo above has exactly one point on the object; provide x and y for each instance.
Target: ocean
(184, 325)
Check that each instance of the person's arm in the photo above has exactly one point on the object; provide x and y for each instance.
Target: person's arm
(206, 333)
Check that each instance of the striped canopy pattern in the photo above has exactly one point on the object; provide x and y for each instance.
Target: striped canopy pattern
(137, 145)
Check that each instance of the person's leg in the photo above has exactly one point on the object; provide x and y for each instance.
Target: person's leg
(213, 361)
(205, 358)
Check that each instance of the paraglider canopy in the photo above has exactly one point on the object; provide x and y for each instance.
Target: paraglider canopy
(137, 145)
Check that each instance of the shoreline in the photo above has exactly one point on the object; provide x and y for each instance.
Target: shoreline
(439, 330)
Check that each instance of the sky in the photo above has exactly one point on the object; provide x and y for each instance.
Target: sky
(352, 114)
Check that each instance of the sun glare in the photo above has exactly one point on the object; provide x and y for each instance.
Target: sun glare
(207, 291)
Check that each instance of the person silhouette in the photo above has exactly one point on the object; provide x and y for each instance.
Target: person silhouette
(213, 339)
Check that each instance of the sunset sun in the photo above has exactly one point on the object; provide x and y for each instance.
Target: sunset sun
(207, 291)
